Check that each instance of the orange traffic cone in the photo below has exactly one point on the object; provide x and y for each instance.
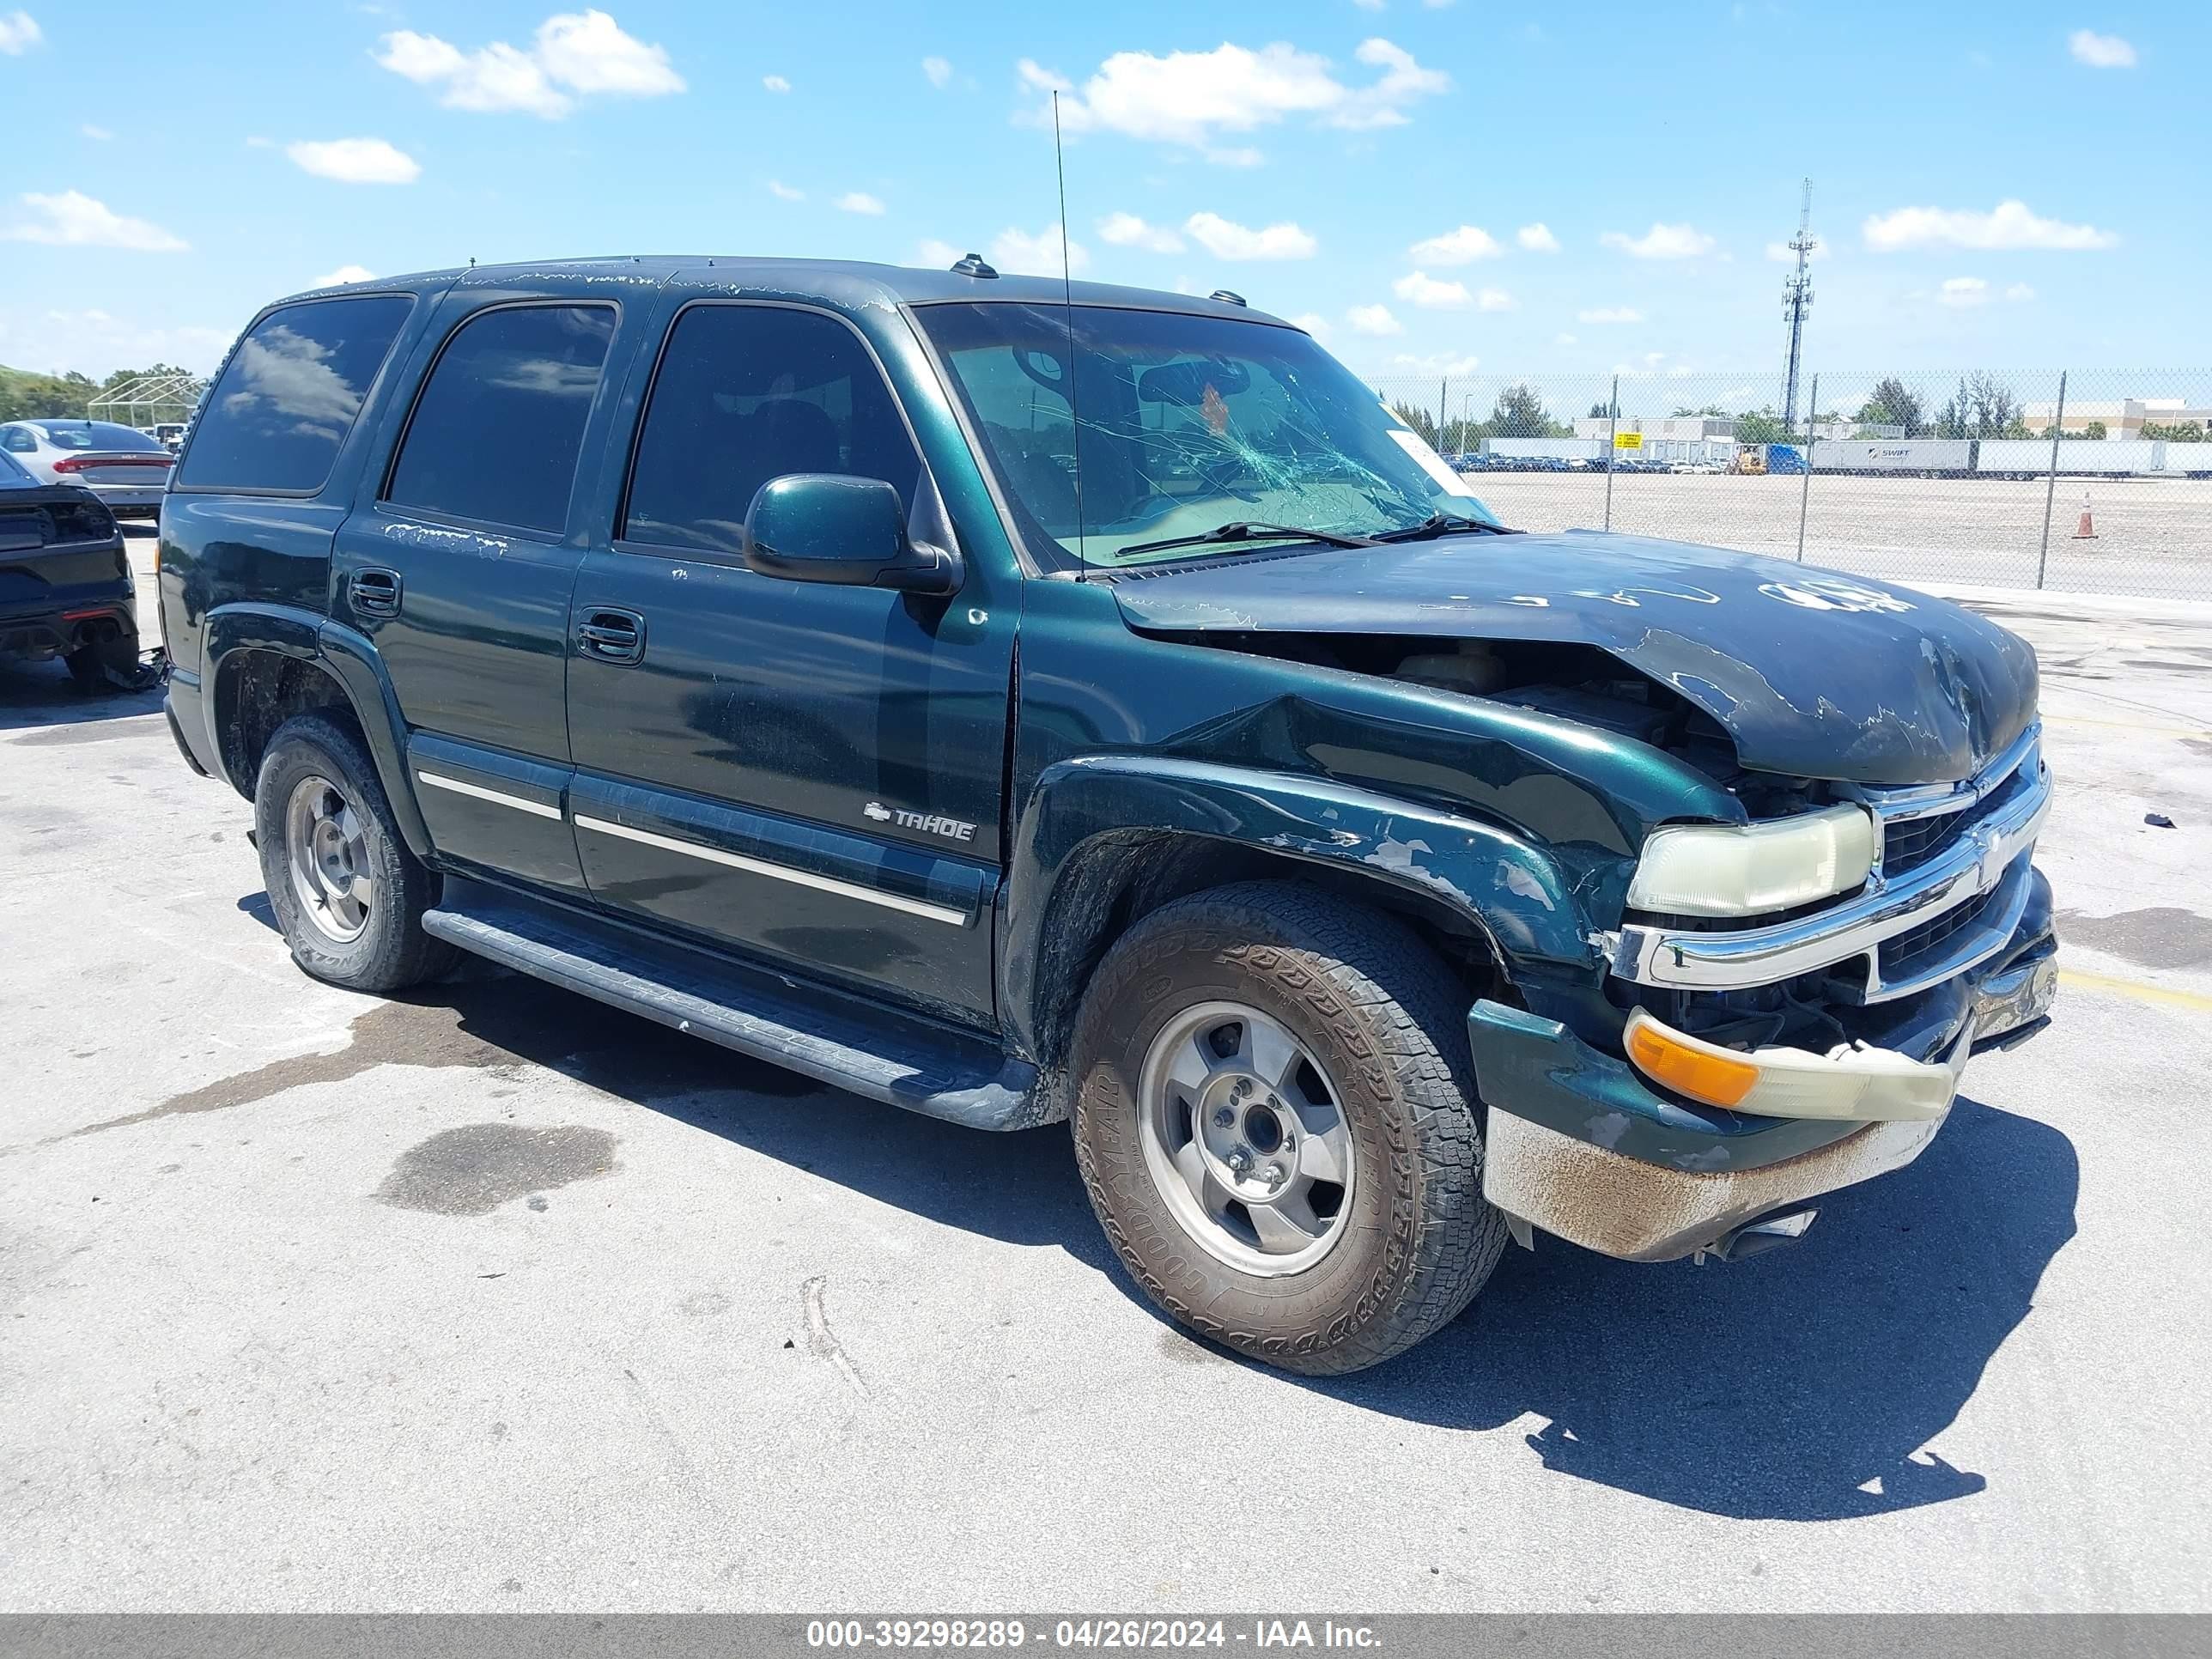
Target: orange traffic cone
(2085, 530)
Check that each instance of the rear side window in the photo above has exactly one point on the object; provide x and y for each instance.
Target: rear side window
(747, 394)
(500, 424)
(290, 395)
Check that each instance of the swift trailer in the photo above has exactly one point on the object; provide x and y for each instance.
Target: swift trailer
(1026, 705)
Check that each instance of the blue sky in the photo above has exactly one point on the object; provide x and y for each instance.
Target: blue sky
(1435, 185)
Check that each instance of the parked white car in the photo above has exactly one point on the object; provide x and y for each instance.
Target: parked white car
(122, 465)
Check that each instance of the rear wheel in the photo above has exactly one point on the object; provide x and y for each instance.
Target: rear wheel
(346, 893)
(1275, 1119)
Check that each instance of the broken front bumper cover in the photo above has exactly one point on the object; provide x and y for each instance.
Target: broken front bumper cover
(1579, 1144)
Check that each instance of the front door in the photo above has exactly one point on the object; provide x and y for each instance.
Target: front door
(460, 568)
(807, 773)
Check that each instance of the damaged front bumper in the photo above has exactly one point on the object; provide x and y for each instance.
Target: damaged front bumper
(1580, 1144)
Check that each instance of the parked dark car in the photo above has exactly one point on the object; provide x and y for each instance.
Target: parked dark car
(65, 588)
(757, 645)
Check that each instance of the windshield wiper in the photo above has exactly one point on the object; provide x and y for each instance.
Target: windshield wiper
(1242, 532)
(1440, 524)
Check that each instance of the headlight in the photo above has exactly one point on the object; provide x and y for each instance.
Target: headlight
(1743, 869)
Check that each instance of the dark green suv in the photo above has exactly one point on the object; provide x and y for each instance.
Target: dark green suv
(1020, 706)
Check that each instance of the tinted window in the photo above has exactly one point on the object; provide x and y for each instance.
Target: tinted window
(290, 394)
(747, 394)
(11, 472)
(97, 434)
(499, 426)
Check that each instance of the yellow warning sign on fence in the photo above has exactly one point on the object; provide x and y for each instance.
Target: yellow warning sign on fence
(1628, 440)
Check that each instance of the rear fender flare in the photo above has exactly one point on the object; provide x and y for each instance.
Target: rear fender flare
(350, 660)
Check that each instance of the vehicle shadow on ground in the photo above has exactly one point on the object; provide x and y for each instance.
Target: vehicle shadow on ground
(1799, 1385)
(42, 694)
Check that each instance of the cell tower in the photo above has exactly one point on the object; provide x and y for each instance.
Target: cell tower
(1796, 301)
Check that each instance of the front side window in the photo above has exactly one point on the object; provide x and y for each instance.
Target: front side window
(499, 426)
(290, 395)
(1173, 425)
(747, 394)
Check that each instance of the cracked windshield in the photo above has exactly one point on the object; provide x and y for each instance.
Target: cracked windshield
(1188, 425)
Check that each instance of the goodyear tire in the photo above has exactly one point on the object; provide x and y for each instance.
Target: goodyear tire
(348, 895)
(1275, 1119)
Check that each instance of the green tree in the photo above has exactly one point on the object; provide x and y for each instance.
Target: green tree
(1892, 404)
(1520, 413)
(1761, 426)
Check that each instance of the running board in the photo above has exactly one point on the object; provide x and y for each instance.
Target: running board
(899, 1059)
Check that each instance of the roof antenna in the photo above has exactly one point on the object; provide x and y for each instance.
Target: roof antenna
(1067, 307)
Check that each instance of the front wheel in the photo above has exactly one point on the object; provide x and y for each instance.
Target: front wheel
(1276, 1124)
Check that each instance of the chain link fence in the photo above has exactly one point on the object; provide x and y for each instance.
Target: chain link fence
(2097, 481)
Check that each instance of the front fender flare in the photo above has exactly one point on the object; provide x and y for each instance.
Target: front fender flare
(1514, 891)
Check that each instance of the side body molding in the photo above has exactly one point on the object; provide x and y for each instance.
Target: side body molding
(1512, 891)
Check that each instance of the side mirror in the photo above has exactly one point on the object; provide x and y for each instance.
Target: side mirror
(826, 527)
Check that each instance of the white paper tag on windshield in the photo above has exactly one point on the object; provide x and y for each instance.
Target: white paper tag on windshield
(1432, 463)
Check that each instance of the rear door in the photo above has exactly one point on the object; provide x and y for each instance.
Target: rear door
(805, 772)
(459, 563)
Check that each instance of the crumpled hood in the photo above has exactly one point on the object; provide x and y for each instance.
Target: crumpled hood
(1811, 673)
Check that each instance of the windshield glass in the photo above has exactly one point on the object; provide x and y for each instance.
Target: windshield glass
(97, 434)
(1187, 424)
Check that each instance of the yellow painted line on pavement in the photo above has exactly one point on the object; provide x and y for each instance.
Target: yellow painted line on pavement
(2135, 990)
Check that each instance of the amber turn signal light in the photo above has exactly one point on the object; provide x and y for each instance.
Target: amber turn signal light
(1695, 1072)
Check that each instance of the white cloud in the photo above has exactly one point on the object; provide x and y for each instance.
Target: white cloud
(1537, 238)
(1127, 230)
(782, 191)
(52, 341)
(1018, 251)
(1564, 340)
(1314, 323)
(1226, 239)
(858, 201)
(1373, 319)
(344, 275)
(1609, 314)
(354, 161)
(1494, 299)
(1463, 246)
(776, 83)
(101, 134)
(1241, 155)
(1964, 291)
(1661, 242)
(1192, 98)
(938, 70)
(1382, 105)
(19, 32)
(72, 219)
(2020, 291)
(1370, 5)
(931, 252)
(2088, 46)
(1441, 364)
(577, 53)
(1428, 292)
(2007, 225)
